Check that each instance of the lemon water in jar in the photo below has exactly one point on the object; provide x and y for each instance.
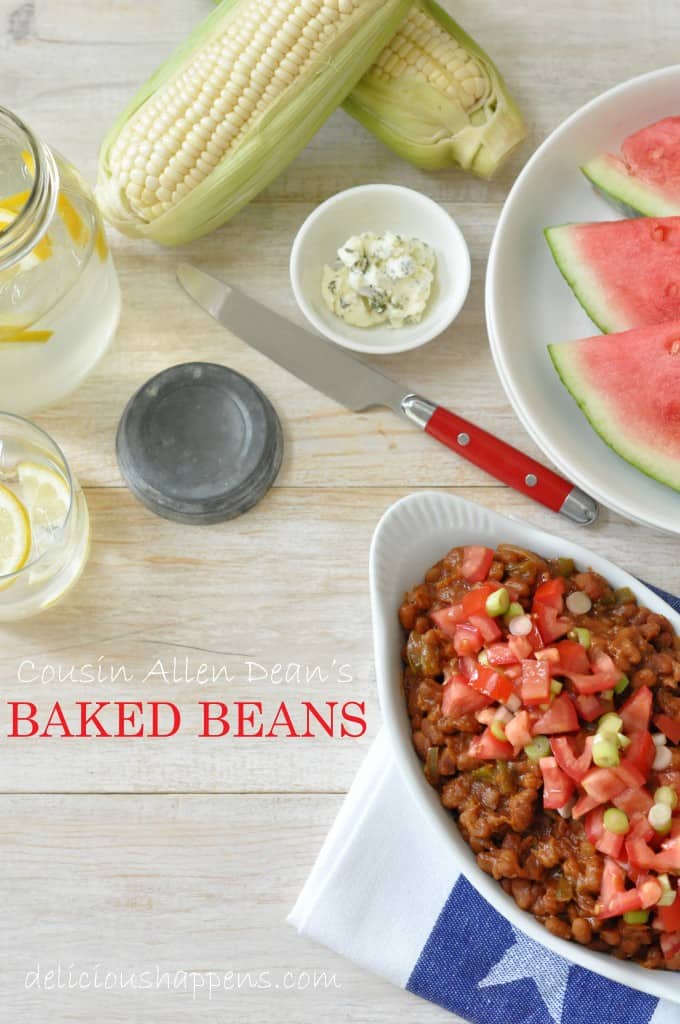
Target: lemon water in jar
(59, 295)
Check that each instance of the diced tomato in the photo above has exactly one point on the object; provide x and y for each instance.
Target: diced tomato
(557, 786)
(460, 699)
(668, 726)
(637, 710)
(518, 730)
(604, 666)
(668, 857)
(584, 804)
(551, 625)
(501, 654)
(640, 827)
(520, 647)
(467, 666)
(670, 945)
(467, 640)
(487, 748)
(493, 684)
(669, 917)
(560, 717)
(513, 671)
(634, 801)
(602, 784)
(535, 682)
(641, 752)
(639, 853)
(535, 639)
(589, 707)
(573, 656)
(474, 602)
(448, 618)
(488, 627)
(650, 891)
(594, 825)
(575, 767)
(615, 899)
(629, 775)
(551, 594)
(610, 844)
(589, 684)
(476, 563)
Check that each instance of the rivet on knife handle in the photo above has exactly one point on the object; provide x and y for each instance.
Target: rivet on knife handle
(501, 460)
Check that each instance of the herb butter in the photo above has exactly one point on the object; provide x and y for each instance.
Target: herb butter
(380, 279)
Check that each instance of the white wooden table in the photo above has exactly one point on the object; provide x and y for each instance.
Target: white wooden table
(187, 854)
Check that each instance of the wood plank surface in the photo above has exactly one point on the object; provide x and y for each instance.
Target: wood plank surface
(187, 853)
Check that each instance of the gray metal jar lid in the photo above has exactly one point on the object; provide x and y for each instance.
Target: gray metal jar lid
(199, 443)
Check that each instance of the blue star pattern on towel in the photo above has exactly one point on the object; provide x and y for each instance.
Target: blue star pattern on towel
(476, 964)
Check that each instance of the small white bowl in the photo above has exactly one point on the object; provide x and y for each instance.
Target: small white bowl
(380, 208)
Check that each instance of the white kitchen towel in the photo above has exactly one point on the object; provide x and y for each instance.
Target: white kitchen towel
(385, 893)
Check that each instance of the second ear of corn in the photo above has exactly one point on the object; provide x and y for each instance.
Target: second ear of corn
(436, 99)
(249, 88)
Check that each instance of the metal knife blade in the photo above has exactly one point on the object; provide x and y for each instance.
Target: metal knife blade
(325, 366)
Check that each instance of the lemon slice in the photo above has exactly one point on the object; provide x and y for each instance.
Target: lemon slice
(45, 493)
(15, 532)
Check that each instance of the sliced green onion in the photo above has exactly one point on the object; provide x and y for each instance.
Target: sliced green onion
(498, 603)
(624, 595)
(578, 603)
(616, 821)
(607, 695)
(498, 730)
(623, 684)
(623, 740)
(666, 795)
(659, 818)
(432, 765)
(581, 635)
(605, 751)
(538, 748)
(669, 893)
(513, 612)
(483, 658)
(556, 686)
(636, 916)
(610, 724)
(565, 566)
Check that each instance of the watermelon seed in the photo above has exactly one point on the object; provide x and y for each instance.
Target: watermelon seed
(674, 348)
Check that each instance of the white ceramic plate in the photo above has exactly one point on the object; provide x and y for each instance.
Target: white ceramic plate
(529, 305)
(412, 535)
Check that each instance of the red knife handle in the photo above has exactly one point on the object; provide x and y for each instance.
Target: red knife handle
(501, 460)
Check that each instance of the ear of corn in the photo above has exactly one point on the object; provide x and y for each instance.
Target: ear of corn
(436, 99)
(232, 107)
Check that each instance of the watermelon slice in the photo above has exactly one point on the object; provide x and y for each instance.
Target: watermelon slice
(646, 178)
(625, 273)
(628, 385)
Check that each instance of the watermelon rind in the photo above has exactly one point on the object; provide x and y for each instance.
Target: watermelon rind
(634, 197)
(582, 282)
(604, 419)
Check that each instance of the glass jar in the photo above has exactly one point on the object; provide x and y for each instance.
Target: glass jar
(59, 295)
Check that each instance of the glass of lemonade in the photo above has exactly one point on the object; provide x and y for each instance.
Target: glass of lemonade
(44, 523)
(59, 295)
